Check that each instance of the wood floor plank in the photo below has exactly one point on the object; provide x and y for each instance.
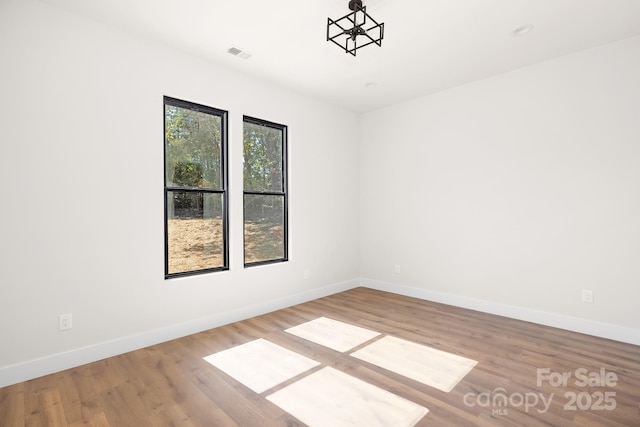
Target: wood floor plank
(54, 408)
(170, 384)
(12, 408)
(98, 419)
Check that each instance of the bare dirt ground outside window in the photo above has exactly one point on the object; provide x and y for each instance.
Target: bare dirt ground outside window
(196, 243)
(263, 241)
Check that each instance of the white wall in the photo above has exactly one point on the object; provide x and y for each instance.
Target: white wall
(82, 197)
(513, 193)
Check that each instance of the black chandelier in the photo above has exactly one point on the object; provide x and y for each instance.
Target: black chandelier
(355, 30)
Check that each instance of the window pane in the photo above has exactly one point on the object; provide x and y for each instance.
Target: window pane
(194, 231)
(262, 158)
(263, 228)
(193, 148)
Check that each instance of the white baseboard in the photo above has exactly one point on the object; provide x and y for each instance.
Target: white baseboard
(584, 326)
(58, 362)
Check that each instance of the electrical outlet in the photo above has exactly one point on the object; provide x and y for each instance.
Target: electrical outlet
(307, 274)
(65, 322)
(587, 296)
(396, 268)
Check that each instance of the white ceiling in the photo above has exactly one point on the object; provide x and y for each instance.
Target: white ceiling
(429, 45)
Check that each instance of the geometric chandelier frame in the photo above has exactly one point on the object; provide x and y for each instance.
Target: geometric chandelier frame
(355, 30)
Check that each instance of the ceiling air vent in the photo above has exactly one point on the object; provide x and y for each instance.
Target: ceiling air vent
(235, 51)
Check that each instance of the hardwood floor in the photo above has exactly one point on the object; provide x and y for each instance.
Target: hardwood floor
(170, 384)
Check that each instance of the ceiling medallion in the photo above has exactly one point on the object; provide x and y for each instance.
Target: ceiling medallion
(355, 30)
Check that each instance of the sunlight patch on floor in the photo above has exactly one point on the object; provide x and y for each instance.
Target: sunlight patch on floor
(329, 397)
(333, 334)
(427, 365)
(260, 364)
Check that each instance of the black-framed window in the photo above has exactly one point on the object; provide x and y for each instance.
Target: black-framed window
(265, 192)
(195, 188)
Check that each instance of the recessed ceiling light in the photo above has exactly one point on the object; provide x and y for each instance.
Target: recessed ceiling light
(370, 85)
(522, 30)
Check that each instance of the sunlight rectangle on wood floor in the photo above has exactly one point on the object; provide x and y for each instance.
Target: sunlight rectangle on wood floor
(334, 334)
(427, 365)
(260, 364)
(329, 397)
